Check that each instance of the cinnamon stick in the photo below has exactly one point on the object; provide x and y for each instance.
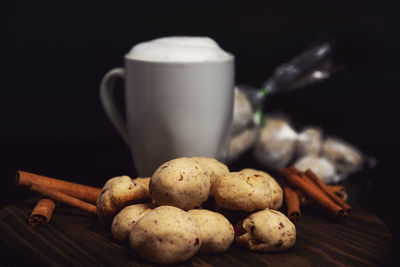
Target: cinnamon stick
(42, 212)
(313, 177)
(335, 188)
(302, 198)
(292, 203)
(338, 190)
(63, 198)
(312, 192)
(82, 192)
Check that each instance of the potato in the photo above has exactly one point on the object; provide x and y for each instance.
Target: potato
(125, 219)
(166, 235)
(217, 232)
(181, 182)
(267, 230)
(117, 193)
(242, 191)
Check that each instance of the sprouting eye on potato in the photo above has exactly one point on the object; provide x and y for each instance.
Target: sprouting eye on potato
(173, 226)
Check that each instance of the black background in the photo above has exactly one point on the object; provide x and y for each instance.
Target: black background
(53, 56)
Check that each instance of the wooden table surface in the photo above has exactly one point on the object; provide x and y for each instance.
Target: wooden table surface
(75, 238)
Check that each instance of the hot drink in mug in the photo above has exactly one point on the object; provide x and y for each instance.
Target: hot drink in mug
(179, 100)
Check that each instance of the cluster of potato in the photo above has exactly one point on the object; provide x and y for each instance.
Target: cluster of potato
(171, 225)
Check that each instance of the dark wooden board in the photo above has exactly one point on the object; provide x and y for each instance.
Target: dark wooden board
(75, 238)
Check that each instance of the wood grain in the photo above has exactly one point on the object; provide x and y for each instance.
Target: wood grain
(76, 238)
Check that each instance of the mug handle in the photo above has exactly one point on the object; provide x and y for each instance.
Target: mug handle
(107, 100)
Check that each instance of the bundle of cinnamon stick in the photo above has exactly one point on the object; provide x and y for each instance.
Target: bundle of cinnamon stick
(55, 190)
(306, 185)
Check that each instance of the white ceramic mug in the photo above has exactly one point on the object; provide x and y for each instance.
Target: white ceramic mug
(173, 109)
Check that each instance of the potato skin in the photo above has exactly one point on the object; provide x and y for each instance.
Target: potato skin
(217, 232)
(267, 230)
(125, 219)
(180, 182)
(166, 235)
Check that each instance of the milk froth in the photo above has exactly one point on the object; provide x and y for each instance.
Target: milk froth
(179, 49)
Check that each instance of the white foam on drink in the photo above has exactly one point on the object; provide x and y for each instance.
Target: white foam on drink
(179, 49)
